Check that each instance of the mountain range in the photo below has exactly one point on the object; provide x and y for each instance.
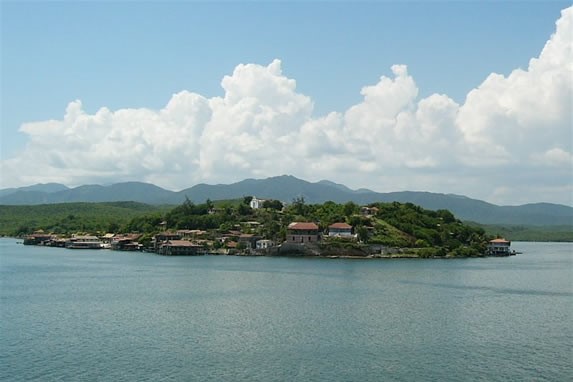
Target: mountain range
(286, 188)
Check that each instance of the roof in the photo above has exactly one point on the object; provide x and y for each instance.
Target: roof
(180, 243)
(302, 226)
(340, 226)
(499, 241)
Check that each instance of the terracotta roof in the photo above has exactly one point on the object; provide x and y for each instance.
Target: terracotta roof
(180, 243)
(231, 244)
(340, 226)
(499, 241)
(302, 226)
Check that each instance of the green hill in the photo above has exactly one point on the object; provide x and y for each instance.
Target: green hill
(286, 188)
(70, 217)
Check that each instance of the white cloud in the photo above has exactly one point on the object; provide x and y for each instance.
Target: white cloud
(491, 147)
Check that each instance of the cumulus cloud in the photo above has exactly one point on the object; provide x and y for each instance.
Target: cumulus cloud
(511, 136)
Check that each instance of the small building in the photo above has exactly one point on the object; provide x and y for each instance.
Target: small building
(499, 247)
(368, 211)
(250, 240)
(39, 238)
(256, 203)
(178, 248)
(264, 244)
(107, 238)
(298, 232)
(190, 233)
(126, 243)
(162, 237)
(340, 230)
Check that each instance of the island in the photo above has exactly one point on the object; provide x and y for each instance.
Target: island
(253, 226)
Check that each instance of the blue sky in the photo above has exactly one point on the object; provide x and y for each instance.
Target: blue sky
(123, 55)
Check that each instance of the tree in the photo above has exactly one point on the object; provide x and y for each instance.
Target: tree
(244, 209)
(362, 233)
(273, 204)
(298, 205)
(113, 227)
(350, 208)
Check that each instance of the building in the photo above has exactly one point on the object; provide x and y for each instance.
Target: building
(126, 243)
(264, 244)
(340, 230)
(298, 232)
(256, 203)
(368, 211)
(178, 248)
(162, 237)
(84, 242)
(37, 239)
(190, 233)
(249, 240)
(499, 247)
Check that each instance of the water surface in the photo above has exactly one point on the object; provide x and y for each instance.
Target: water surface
(104, 315)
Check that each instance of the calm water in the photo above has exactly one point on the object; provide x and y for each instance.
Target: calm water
(111, 316)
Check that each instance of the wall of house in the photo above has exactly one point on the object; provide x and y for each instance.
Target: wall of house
(304, 237)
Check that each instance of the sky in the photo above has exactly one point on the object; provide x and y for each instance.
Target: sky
(462, 97)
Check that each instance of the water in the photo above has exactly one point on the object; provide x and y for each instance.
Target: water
(80, 315)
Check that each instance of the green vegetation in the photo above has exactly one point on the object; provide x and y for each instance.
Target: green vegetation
(562, 233)
(402, 225)
(68, 218)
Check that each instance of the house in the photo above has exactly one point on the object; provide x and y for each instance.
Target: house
(249, 240)
(126, 243)
(368, 211)
(340, 230)
(178, 248)
(499, 247)
(38, 238)
(107, 238)
(190, 233)
(163, 237)
(264, 244)
(298, 232)
(256, 203)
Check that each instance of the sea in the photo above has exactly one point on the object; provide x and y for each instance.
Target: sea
(100, 315)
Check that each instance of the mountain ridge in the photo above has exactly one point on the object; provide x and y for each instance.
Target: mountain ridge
(286, 188)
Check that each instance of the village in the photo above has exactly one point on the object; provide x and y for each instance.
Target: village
(247, 238)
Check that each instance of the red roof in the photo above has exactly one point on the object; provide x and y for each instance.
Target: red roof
(499, 241)
(340, 226)
(303, 226)
(180, 243)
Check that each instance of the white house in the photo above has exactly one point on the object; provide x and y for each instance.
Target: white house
(256, 203)
(264, 244)
(340, 230)
(499, 247)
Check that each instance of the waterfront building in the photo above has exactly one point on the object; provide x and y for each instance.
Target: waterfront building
(178, 248)
(499, 247)
(340, 230)
(298, 232)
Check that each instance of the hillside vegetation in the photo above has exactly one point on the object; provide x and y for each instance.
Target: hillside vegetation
(402, 225)
(530, 233)
(68, 218)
